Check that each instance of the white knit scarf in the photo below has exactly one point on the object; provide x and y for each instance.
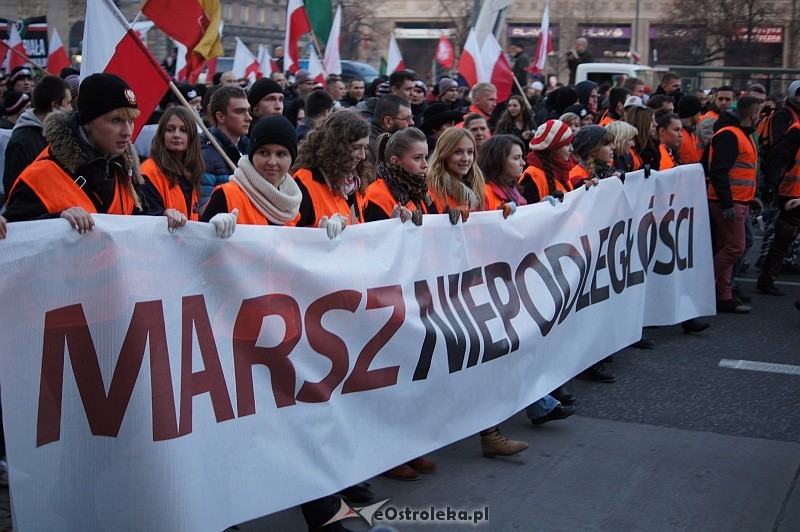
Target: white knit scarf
(279, 205)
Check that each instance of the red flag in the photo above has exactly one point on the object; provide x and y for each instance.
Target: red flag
(444, 52)
(470, 64)
(545, 45)
(111, 46)
(315, 67)
(297, 24)
(14, 42)
(245, 64)
(394, 61)
(57, 57)
(497, 68)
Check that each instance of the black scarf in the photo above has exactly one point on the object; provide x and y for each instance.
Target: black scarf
(403, 185)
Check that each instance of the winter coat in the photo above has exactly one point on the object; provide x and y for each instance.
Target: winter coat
(217, 170)
(25, 144)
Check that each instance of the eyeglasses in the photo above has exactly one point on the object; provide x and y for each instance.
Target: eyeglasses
(406, 119)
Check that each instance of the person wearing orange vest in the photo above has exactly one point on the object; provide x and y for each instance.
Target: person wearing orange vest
(781, 176)
(332, 172)
(616, 105)
(172, 174)
(89, 165)
(689, 113)
(723, 99)
(549, 162)
(732, 174)
(645, 152)
(261, 191)
(501, 160)
(455, 183)
(594, 148)
(669, 129)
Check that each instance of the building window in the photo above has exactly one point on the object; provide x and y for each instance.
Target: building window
(276, 17)
(261, 15)
(227, 12)
(244, 14)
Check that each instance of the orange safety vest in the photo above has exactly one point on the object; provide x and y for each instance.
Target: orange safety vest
(790, 182)
(577, 175)
(58, 191)
(379, 195)
(605, 120)
(539, 179)
(237, 199)
(742, 176)
(667, 161)
(637, 160)
(171, 195)
(325, 202)
(688, 151)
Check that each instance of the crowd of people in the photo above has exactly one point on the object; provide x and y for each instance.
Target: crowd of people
(307, 155)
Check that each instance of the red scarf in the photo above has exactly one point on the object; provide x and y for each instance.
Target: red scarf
(561, 168)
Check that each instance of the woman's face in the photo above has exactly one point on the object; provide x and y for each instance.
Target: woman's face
(460, 161)
(272, 161)
(514, 108)
(111, 132)
(358, 151)
(653, 127)
(606, 154)
(413, 161)
(515, 163)
(564, 152)
(575, 125)
(176, 136)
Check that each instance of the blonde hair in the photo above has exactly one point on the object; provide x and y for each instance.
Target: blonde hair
(623, 132)
(441, 182)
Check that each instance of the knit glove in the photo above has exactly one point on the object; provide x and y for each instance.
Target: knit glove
(551, 200)
(334, 225)
(401, 212)
(508, 209)
(416, 217)
(455, 215)
(225, 223)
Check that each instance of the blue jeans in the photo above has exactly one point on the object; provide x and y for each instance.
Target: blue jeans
(542, 407)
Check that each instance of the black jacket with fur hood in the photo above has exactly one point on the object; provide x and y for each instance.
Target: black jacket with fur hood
(70, 150)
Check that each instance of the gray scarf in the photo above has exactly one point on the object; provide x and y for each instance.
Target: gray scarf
(279, 205)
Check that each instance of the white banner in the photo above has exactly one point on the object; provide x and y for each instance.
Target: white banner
(179, 381)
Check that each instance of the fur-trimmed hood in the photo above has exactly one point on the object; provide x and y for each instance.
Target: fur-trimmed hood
(68, 147)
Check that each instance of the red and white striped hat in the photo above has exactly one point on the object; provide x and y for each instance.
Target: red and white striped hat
(552, 135)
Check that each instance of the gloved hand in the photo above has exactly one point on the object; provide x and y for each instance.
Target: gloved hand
(729, 214)
(416, 217)
(551, 200)
(334, 225)
(558, 194)
(225, 223)
(508, 209)
(401, 212)
(464, 214)
(455, 215)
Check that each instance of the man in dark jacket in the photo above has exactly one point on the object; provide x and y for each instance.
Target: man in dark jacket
(27, 141)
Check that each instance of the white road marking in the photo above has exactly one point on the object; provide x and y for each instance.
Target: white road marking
(768, 367)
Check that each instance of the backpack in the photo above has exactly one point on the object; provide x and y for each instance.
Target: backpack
(764, 130)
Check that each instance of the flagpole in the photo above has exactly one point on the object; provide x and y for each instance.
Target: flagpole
(522, 92)
(315, 44)
(202, 125)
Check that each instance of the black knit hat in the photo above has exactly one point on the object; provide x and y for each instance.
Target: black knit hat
(273, 130)
(14, 101)
(102, 93)
(188, 91)
(261, 88)
(587, 138)
(689, 106)
(438, 114)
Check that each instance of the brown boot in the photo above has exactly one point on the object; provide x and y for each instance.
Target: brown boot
(494, 443)
(402, 472)
(422, 465)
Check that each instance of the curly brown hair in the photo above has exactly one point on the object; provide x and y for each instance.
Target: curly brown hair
(327, 148)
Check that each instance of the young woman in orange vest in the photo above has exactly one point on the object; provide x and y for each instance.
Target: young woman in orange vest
(594, 147)
(501, 160)
(401, 189)
(261, 191)
(645, 145)
(549, 162)
(623, 134)
(332, 172)
(670, 135)
(89, 165)
(455, 183)
(172, 174)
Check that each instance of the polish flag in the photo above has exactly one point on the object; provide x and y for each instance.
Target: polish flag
(444, 52)
(111, 46)
(245, 64)
(394, 60)
(266, 64)
(297, 24)
(57, 57)
(14, 42)
(545, 45)
(497, 68)
(315, 66)
(470, 64)
(181, 70)
(333, 61)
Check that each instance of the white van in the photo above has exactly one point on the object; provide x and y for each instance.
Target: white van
(615, 74)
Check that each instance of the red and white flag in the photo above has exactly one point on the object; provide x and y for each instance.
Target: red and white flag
(444, 53)
(297, 25)
(394, 60)
(181, 70)
(245, 64)
(14, 42)
(497, 69)
(333, 60)
(111, 46)
(266, 64)
(57, 57)
(315, 66)
(545, 45)
(470, 64)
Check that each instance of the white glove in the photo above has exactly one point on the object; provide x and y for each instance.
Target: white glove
(550, 199)
(225, 223)
(334, 225)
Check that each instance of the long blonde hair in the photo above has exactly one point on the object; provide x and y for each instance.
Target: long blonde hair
(441, 182)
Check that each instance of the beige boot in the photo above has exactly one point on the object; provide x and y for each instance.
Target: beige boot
(494, 443)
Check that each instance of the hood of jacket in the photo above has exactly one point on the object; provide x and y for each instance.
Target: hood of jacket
(728, 118)
(62, 132)
(28, 119)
